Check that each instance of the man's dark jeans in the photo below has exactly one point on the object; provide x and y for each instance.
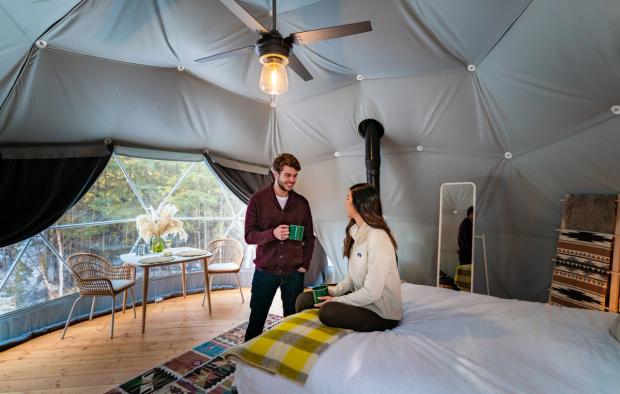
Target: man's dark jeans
(264, 287)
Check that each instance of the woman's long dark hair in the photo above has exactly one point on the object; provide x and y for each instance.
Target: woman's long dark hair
(367, 202)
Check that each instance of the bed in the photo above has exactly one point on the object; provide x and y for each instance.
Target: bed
(451, 341)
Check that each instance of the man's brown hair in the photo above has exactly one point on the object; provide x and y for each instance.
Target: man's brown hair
(285, 159)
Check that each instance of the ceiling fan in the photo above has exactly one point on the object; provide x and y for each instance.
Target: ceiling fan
(276, 52)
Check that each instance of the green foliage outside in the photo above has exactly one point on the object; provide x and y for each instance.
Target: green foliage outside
(207, 210)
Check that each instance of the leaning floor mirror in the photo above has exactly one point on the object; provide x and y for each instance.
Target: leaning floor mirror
(455, 246)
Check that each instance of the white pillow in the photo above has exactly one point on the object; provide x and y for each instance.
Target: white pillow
(614, 330)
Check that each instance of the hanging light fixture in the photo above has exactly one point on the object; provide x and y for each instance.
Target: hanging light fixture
(273, 76)
(275, 52)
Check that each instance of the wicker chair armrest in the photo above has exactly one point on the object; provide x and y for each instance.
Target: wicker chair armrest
(132, 272)
(123, 272)
(95, 286)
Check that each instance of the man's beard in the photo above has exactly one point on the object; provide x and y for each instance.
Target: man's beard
(282, 185)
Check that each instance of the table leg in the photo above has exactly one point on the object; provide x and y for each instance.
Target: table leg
(205, 265)
(183, 279)
(145, 296)
(124, 300)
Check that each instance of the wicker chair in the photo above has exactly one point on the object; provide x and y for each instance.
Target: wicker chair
(227, 258)
(94, 276)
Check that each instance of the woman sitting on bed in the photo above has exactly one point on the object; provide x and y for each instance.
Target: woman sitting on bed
(368, 299)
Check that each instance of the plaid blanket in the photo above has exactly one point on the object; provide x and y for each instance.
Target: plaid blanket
(291, 348)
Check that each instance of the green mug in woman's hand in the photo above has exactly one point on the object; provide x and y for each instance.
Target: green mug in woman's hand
(319, 291)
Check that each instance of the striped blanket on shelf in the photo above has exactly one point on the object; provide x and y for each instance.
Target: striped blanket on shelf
(291, 348)
(581, 273)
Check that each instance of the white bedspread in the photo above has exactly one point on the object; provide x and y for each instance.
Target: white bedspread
(465, 343)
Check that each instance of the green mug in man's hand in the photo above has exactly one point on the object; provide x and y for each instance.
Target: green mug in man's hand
(295, 232)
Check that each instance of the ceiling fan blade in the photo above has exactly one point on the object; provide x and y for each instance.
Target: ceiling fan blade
(299, 68)
(232, 52)
(244, 16)
(307, 37)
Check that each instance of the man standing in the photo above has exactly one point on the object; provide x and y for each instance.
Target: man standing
(466, 237)
(280, 262)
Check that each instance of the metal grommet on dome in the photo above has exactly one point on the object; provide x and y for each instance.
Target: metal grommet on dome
(420, 148)
(471, 67)
(180, 67)
(273, 104)
(508, 155)
(615, 109)
(337, 154)
(359, 77)
(41, 44)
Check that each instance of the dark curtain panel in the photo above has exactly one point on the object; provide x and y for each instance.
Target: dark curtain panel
(35, 193)
(242, 183)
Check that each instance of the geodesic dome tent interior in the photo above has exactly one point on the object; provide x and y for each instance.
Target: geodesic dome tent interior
(519, 97)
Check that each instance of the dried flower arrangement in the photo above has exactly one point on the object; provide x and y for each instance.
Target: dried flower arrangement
(159, 223)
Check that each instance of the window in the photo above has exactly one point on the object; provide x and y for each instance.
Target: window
(103, 222)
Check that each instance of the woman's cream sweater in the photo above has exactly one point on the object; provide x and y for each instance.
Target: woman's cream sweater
(373, 275)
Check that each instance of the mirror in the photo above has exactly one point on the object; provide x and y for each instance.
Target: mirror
(455, 247)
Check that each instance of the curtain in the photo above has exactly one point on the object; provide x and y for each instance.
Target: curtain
(37, 186)
(240, 181)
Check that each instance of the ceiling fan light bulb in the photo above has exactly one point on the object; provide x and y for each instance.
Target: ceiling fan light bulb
(269, 58)
(273, 76)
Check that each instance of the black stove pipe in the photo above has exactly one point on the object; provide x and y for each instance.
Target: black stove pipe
(372, 131)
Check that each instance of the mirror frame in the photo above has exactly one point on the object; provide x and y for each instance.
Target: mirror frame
(473, 235)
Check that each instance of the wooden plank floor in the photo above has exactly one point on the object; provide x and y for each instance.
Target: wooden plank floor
(88, 361)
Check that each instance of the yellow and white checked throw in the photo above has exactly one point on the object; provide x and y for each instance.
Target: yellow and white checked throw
(290, 348)
(462, 277)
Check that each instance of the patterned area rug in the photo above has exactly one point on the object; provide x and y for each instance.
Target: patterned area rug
(200, 370)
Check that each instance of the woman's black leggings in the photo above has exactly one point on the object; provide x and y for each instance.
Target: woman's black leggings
(337, 314)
